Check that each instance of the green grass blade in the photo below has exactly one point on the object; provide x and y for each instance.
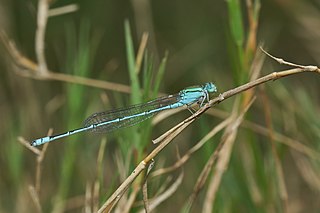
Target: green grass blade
(135, 85)
(77, 63)
(235, 21)
(159, 75)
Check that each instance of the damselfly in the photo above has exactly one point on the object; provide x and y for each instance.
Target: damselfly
(124, 117)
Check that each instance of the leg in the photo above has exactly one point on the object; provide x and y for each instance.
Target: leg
(191, 109)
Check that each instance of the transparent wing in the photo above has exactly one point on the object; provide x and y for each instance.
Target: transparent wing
(101, 117)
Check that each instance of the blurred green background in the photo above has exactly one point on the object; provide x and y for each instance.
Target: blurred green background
(189, 43)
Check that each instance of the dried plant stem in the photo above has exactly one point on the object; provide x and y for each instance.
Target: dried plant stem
(30, 69)
(63, 10)
(280, 138)
(279, 171)
(35, 190)
(165, 195)
(145, 188)
(181, 161)
(206, 170)
(114, 198)
(35, 198)
(96, 186)
(141, 51)
(226, 146)
(43, 7)
(203, 176)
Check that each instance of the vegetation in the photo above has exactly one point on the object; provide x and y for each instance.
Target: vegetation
(254, 148)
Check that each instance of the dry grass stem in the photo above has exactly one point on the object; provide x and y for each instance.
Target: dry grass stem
(114, 198)
(247, 155)
(39, 164)
(307, 171)
(145, 187)
(96, 186)
(279, 171)
(42, 18)
(181, 161)
(122, 164)
(39, 168)
(310, 68)
(129, 203)
(40, 156)
(256, 65)
(252, 11)
(181, 126)
(30, 69)
(88, 198)
(203, 177)
(26, 143)
(63, 10)
(207, 168)
(145, 197)
(35, 198)
(167, 133)
(141, 51)
(280, 138)
(165, 114)
(224, 156)
(165, 195)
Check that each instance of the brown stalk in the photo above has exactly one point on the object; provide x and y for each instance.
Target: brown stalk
(114, 198)
(181, 161)
(63, 10)
(166, 194)
(42, 18)
(96, 186)
(280, 138)
(35, 190)
(224, 154)
(279, 171)
(30, 69)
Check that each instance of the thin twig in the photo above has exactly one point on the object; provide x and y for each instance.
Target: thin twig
(114, 198)
(145, 187)
(39, 168)
(63, 10)
(181, 161)
(207, 168)
(88, 198)
(35, 198)
(309, 68)
(43, 7)
(228, 140)
(165, 114)
(165, 195)
(203, 177)
(252, 13)
(39, 164)
(308, 170)
(279, 171)
(30, 69)
(130, 200)
(280, 138)
(26, 143)
(96, 186)
(35, 190)
(141, 51)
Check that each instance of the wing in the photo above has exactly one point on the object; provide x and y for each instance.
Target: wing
(104, 117)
